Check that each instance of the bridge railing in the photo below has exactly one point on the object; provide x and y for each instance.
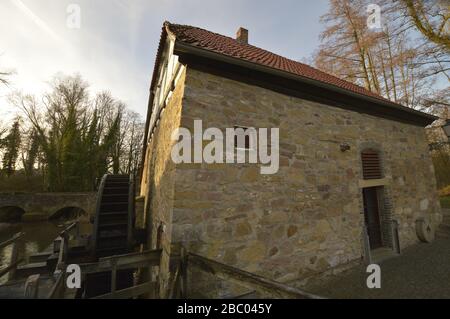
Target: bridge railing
(14, 259)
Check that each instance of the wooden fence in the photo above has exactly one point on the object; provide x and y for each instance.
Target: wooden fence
(14, 259)
(178, 286)
(129, 261)
(245, 279)
(59, 287)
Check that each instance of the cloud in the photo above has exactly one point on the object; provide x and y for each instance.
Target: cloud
(39, 22)
(37, 45)
(115, 48)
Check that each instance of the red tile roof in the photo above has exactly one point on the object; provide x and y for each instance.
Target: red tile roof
(227, 46)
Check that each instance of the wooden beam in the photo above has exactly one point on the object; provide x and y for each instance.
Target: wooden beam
(175, 285)
(363, 183)
(129, 292)
(155, 253)
(12, 240)
(57, 291)
(13, 260)
(247, 295)
(32, 287)
(134, 260)
(64, 245)
(7, 269)
(248, 280)
(69, 229)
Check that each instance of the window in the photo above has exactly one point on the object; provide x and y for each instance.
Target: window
(371, 164)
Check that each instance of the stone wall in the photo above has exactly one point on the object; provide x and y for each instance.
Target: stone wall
(305, 219)
(158, 181)
(308, 217)
(44, 206)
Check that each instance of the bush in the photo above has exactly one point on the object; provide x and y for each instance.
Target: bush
(445, 202)
(444, 191)
(441, 162)
(21, 183)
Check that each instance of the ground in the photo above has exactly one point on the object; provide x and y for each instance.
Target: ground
(422, 271)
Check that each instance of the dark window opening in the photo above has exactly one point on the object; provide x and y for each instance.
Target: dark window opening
(372, 216)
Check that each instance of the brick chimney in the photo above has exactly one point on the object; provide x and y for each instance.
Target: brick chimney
(242, 35)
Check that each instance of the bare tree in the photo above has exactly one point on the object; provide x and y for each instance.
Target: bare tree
(392, 61)
(347, 44)
(80, 138)
(4, 77)
(431, 18)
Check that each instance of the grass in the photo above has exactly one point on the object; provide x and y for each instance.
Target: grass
(445, 202)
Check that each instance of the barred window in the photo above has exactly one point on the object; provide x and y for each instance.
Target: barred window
(371, 164)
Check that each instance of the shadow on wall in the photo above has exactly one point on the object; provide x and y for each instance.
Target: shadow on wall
(11, 214)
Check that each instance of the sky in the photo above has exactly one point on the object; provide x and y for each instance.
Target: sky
(115, 47)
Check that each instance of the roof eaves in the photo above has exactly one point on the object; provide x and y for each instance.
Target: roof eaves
(202, 52)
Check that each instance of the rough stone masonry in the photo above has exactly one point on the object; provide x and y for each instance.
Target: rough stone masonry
(307, 218)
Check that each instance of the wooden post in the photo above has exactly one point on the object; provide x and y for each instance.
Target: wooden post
(367, 252)
(148, 276)
(58, 289)
(77, 229)
(113, 275)
(174, 288)
(62, 292)
(395, 238)
(66, 247)
(13, 260)
(32, 287)
(184, 273)
(60, 264)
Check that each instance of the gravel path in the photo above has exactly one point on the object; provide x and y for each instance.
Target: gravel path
(422, 271)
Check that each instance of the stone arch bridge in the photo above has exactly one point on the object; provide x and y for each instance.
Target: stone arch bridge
(44, 206)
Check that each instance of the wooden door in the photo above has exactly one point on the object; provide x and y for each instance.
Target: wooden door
(372, 217)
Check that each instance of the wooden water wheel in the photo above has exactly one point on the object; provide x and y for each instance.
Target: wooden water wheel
(113, 231)
(114, 218)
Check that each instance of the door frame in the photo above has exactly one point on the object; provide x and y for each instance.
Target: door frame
(374, 227)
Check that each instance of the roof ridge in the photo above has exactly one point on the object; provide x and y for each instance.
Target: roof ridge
(250, 46)
(230, 38)
(212, 32)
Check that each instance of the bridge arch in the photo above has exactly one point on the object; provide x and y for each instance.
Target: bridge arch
(68, 212)
(45, 206)
(11, 213)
